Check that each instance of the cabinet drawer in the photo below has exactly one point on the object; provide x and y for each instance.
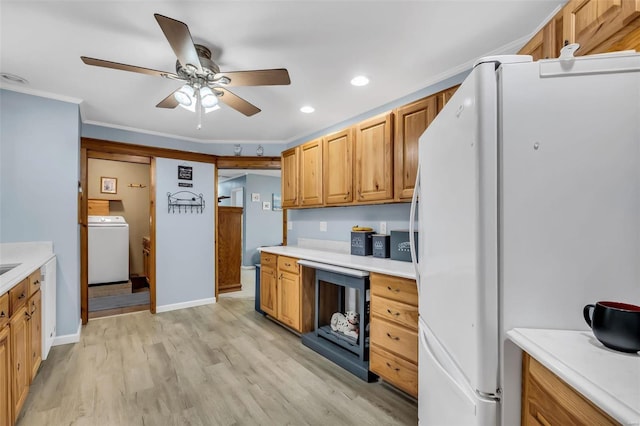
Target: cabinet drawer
(288, 264)
(35, 280)
(397, 312)
(395, 288)
(395, 370)
(18, 296)
(268, 259)
(394, 338)
(4, 309)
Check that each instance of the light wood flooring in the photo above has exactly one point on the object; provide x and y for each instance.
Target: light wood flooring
(221, 364)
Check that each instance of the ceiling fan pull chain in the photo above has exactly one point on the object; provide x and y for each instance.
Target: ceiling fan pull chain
(199, 109)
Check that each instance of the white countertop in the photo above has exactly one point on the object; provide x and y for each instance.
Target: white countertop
(28, 256)
(365, 263)
(608, 378)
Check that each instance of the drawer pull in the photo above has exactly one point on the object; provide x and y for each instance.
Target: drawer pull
(394, 290)
(288, 265)
(393, 313)
(542, 420)
(392, 337)
(27, 315)
(393, 368)
(22, 296)
(36, 282)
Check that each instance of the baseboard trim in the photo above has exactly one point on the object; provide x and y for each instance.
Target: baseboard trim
(183, 305)
(68, 338)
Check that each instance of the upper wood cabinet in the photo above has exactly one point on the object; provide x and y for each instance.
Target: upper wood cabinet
(598, 24)
(548, 41)
(443, 97)
(311, 173)
(289, 177)
(374, 159)
(338, 167)
(411, 121)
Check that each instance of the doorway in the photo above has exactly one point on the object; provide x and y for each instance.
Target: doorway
(118, 236)
(250, 193)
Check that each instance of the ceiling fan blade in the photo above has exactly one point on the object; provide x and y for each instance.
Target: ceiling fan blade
(237, 103)
(179, 37)
(125, 67)
(169, 102)
(275, 77)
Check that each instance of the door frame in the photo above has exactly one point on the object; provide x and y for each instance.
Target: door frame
(250, 163)
(110, 150)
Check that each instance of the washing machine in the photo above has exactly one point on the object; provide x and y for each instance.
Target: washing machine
(108, 249)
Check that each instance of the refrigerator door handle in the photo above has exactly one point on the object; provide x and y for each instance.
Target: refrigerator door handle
(412, 217)
(453, 373)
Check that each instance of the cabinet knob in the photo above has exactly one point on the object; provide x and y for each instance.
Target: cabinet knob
(393, 290)
(36, 282)
(22, 296)
(288, 265)
(2, 314)
(393, 313)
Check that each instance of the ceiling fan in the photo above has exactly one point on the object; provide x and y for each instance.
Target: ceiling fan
(204, 83)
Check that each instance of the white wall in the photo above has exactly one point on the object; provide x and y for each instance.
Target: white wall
(39, 168)
(185, 249)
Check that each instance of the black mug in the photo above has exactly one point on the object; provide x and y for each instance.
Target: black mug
(616, 325)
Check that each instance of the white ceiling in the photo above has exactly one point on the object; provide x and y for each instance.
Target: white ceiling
(401, 46)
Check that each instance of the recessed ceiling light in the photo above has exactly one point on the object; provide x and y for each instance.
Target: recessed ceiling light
(360, 80)
(13, 78)
(307, 109)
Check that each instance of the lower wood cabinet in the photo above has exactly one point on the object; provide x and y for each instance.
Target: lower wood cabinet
(35, 333)
(394, 331)
(287, 291)
(5, 377)
(548, 400)
(20, 369)
(20, 345)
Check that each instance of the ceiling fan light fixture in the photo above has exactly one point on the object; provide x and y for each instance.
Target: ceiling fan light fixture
(184, 96)
(207, 97)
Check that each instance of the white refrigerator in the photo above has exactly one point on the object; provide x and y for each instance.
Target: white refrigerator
(528, 208)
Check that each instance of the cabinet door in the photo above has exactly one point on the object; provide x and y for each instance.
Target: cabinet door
(35, 333)
(547, 42)
(444, 97)
(311, 173)
(411, 121)
(374, 159)
(20, 370)
(598, 24)
(338, 167)
(289, 176)
(268, 289)
(289, 299)
(534, 47)
(5, 378)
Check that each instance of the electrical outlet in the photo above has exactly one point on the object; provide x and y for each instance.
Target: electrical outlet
(383, 228)
(289, 225)
(323, 226)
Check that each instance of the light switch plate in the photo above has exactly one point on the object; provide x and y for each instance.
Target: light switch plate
(289, 225)
(323, 226)
(255, 196)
